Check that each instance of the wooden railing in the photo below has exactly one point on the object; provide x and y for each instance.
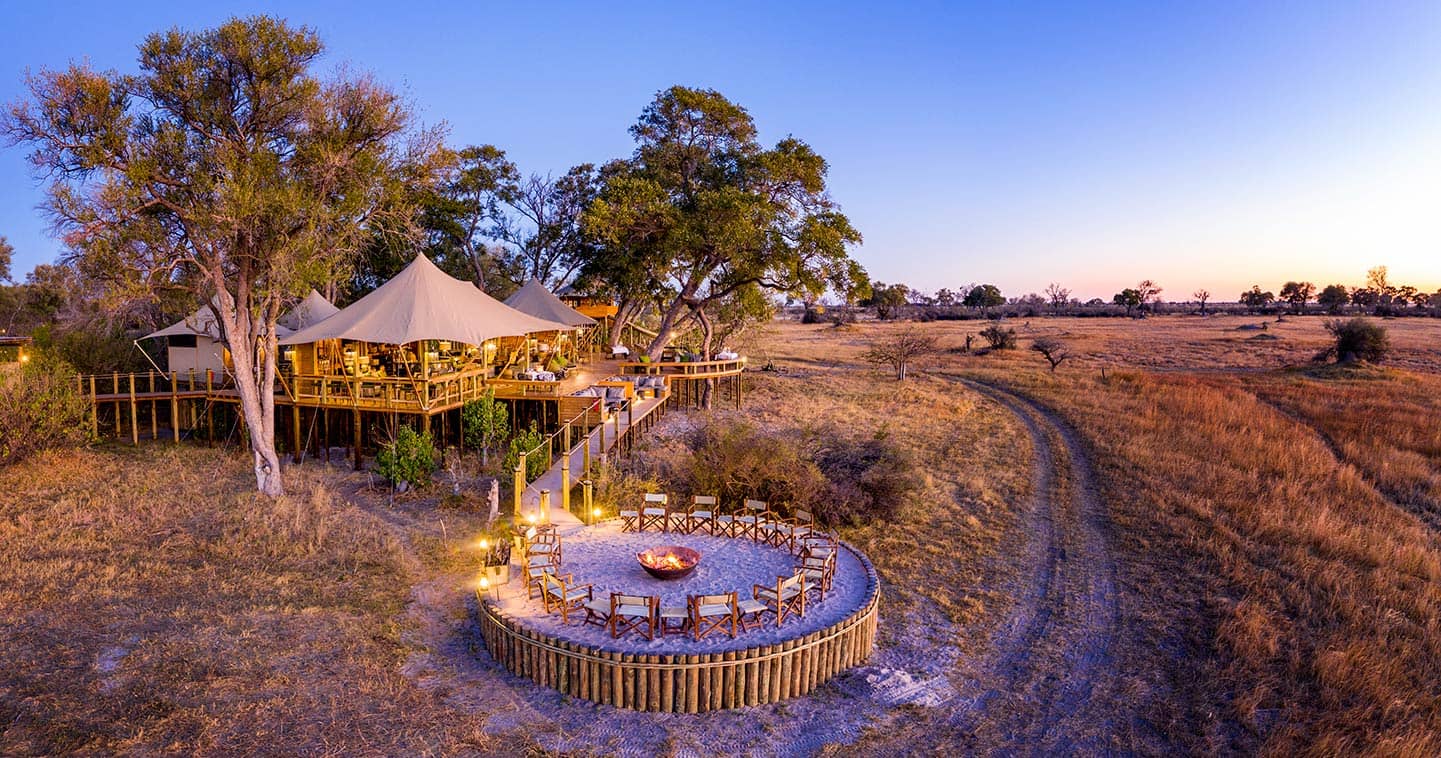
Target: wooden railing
(686, 369)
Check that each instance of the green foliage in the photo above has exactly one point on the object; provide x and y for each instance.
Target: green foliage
(409, 458)
(702, 209)
(1255, 298)
(1358, 339)
(983, 296)
(526, 441)
(999, 337)
(40, 407)
(484, 422)
(7, 254)
(737, 461)
(1334, 297)
(888, 299)
(1130, 298)
(1298, 294)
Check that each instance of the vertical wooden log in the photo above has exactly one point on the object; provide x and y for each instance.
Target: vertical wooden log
(565, 481)
(134, 415)
(667, 684)
(174, 408)
(519, 483)
(94, 410)
(752, 693)
(692, 685)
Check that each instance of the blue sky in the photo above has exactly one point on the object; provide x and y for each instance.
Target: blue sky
(1206, 145)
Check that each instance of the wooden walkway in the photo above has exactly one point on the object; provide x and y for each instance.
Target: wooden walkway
(595, 447)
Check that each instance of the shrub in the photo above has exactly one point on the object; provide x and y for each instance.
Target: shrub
(484, 422)
(900, 350)
(999, 337)
(40, 407)
(870, 480)
(1053, 350)
(525, 441)
(736, 461)
(408, 459)
(1358, 339)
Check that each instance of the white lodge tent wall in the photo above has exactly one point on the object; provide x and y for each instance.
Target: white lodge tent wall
(194, 344)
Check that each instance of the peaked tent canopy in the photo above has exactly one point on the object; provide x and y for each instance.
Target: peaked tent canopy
(308, 312)
(201, 323)
(424, 303)
(538, 301)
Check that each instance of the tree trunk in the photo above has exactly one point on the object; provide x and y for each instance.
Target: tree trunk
(707, 330)
(257, 393)
(666, 330)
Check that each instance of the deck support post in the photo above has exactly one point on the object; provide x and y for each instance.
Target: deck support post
(565, 479)
(134, 415)
(519, 483)
(295, 451)
(174, 408)
(358, 456)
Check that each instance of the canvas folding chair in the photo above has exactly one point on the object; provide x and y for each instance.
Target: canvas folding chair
(535, 568)
(633, 613)
(654, 513)
(816, 545)
(701, 516)
(711, 613)
(538, 543)
(819, 573)
(752, 516)
(560, 594)
(597, 612)
(786, 598)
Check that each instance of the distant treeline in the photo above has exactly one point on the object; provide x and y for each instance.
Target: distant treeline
(986, 301)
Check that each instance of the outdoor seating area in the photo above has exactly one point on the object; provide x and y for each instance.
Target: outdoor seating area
(762, 572)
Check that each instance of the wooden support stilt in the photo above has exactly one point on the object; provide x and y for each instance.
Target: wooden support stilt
(174, 409)
(295, 443)
(134, 415)
(519, 483)
(94, 411)
(357, 454)
(565, 480)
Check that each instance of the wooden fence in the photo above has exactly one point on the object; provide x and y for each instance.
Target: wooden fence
(684, 682)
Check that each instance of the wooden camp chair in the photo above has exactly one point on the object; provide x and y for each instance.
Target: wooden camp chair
(787, 533)
(654, 513)
(819, 573)
(538, 543)
(816, 545)
(535, 568)
(786, 598)
(701, 516)
(709, 613)
(752, 516)
(560, 594)
(725, 525)
(633, 612)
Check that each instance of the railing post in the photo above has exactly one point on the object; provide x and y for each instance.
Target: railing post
(134, 419)
(519, 483)
(586, 491)
(95, 410)
(545, 506)
(565, 480)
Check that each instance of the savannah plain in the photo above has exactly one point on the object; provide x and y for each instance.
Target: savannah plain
(1189, 538)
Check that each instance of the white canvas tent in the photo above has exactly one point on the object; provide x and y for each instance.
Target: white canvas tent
(540, 302)
(193, 343)
(424, 303)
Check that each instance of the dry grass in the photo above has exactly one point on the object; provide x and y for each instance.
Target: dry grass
(1239, 530)
(152, 606)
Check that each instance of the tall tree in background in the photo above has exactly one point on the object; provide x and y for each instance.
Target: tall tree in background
(7, 255)
(1202, 296)
(226, 165)
(702, 210)
(1058, 295)
(1298, 294)
(1334, 298)
(544, 226)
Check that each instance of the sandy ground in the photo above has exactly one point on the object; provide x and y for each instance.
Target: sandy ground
(604, 557)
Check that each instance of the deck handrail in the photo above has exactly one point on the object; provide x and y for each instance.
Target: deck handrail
(698, 369)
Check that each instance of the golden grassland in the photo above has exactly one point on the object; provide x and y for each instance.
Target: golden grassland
(1274, 529)
(1277, 518)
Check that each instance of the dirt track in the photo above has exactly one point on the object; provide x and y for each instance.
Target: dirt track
(1048, 681)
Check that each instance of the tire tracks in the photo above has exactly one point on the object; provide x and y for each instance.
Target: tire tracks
(1048, 683)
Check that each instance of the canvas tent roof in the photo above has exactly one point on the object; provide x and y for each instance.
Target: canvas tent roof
(312, 310)
(538, 301)
(424, 303)
(308, 312)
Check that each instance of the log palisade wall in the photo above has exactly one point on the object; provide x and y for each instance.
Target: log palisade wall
(685, 683)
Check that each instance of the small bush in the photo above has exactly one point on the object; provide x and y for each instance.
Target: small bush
(736, 461)
(408, 459)
(999, 337)
(40, 408)
(526, 441)
(870, 480)
(1358, 339)
(484, 422)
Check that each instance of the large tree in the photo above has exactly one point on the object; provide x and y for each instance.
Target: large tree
(702, 210)
(7, 253)
(225, 164)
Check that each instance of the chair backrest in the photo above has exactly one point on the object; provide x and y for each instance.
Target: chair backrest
(553, 582)
(759, 506)
(796, 581)
(653, 497)
(618, 599)
(804, 517)
(530, 533)
(704, 500)
(728, 600)
(816, 562)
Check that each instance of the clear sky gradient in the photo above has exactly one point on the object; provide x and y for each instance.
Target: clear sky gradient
(1206, 145)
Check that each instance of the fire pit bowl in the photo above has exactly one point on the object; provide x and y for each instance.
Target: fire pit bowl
(668, 561)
